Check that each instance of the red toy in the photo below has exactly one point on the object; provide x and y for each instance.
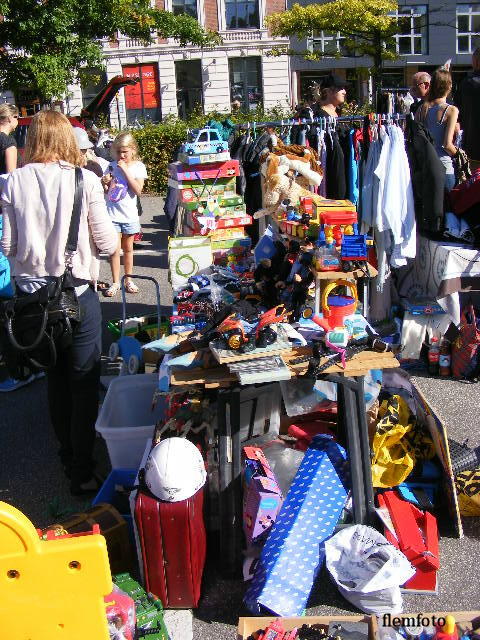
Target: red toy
(417, 538)
(448, 631)
(120, 609)
(275, 631)
(234, 335)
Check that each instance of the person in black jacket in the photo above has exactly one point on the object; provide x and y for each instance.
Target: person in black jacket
(468, 102)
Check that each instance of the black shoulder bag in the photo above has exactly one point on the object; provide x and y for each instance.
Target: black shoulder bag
(35, 326)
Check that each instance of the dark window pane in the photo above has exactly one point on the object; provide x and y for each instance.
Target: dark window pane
(246, 81)
(231, 16)
(463, 44)
(463, 24)
(476, 23)
(203, 137)
(475, 42)
(418, 45)
(419, 23)
(404, 46)
(404, 26)
(242, 15)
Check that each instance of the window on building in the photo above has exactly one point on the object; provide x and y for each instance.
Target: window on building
(246, 82)
(189, 86)
(329, 44)
(412, 35)
(142, 100)
(93, 81)
(185, 7)
(468, 27)
(242, 14)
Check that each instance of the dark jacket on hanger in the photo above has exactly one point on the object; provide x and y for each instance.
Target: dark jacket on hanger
(251, 166)
(428, 178)
(468, 101)
(336, 186)
(238, 150)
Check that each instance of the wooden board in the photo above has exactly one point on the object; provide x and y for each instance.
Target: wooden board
(337, 275)
(359, 365)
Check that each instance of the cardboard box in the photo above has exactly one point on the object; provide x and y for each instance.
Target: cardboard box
(215, 170)
(204, 158)
(249, 625)
(243, 243)
(233, 204)
(205, 186)
(262, 497)
(295, 549)
(227, 234)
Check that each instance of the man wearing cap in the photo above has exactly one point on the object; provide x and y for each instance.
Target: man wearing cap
(93, 162)
(419, 89)
(333, 91)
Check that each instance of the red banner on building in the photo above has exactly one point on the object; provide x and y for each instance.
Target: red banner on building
(145, 94)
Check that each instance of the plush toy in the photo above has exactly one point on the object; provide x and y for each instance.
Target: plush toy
(280, 183)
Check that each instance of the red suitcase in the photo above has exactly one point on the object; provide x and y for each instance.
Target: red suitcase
(173, 541)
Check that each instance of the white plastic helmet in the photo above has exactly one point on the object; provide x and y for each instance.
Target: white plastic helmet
(175, 470)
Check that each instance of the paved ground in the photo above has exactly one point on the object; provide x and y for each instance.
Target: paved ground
(31, 477)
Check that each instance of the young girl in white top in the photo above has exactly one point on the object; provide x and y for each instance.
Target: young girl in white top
(123, 184)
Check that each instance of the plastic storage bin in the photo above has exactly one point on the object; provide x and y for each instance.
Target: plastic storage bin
(126, 420)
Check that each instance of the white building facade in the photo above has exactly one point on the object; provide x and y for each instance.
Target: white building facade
(174, 79)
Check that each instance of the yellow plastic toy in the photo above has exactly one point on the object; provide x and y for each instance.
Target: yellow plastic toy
(51, 589)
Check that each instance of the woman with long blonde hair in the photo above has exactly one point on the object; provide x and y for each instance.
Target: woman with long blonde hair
(37, 204)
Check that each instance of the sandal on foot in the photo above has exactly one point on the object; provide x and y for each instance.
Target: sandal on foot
(102, 286)
(130, 287)
(112, 290)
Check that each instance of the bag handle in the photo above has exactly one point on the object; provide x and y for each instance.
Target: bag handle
(72, 239)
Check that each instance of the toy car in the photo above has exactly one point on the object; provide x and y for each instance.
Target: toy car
(239, 335)
(204, 141)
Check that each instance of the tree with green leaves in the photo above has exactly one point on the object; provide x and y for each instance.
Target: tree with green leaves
(45, 44)
(366, 27)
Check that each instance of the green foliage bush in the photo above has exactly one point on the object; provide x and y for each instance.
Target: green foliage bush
(158, 142)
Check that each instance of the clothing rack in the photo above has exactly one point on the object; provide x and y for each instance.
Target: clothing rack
(291, 122)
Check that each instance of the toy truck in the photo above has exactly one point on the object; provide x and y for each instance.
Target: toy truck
(204, 141)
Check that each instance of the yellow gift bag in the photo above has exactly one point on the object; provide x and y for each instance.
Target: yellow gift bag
(393, 456)
(468, 490)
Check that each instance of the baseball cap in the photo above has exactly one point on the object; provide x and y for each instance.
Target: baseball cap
(82, 138)
(175, 470)
(334, 81)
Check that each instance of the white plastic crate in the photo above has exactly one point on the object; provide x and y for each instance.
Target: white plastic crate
(126, 419)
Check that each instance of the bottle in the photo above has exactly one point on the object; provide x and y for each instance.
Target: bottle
(433, 356)
(444, 360)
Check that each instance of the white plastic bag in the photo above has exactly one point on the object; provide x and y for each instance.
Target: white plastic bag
(367, 569)
(186, 257)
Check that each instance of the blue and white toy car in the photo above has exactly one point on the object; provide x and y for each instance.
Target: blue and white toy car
(202, 141)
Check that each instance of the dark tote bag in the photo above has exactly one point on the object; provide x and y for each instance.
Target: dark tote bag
(35, 326)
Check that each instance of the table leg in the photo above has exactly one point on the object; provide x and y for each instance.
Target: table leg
(230, 499)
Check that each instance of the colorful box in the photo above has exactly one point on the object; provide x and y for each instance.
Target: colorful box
(338, 210)
(181, 172)
(234, 243)
(226, 234)
(262, 497)
(233, 204)
(204, 158)
(295, 549)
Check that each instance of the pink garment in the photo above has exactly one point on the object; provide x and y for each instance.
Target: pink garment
(37, 204)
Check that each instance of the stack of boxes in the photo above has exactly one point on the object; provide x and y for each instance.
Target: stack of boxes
(210, 205)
